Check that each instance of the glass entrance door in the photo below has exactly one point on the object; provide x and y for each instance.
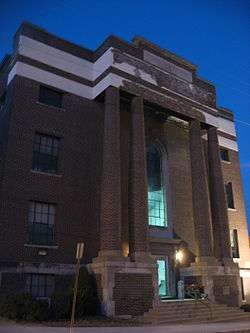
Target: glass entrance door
(162, 277)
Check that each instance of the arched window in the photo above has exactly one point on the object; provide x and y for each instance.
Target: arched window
(156, 197)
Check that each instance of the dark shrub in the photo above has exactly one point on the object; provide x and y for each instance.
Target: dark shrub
(246, 307)
(61, 305)
(87, 300)
(23, 307)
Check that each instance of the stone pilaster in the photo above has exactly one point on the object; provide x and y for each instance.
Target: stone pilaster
(217, 198)
(220, 280)
(201, 207)
(138, 211)
(120, 282)
(110, 219)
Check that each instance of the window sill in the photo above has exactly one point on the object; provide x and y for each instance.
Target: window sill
(42, 246)
(232, 209)
(158, 227)
(46, 173)
(226, 162)
(57, 108)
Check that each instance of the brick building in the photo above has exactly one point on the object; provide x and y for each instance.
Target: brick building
(125, 149)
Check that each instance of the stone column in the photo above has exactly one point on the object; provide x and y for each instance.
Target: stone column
(201, 207)
(110, 224)
(217, 198)
(138, 211)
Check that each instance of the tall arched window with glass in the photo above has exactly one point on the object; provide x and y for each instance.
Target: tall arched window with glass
(156, 191)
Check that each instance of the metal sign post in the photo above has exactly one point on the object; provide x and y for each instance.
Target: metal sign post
(79, 254)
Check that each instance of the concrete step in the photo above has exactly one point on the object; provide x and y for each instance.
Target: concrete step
(197, 319)
(190, 311)
(192, 315)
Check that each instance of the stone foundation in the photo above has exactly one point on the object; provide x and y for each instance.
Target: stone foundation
(125, 288)
(221, 282)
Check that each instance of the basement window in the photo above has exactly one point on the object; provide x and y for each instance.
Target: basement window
(40, 285)
(50, 96)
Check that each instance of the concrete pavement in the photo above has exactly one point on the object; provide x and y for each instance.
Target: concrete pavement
(232, 327)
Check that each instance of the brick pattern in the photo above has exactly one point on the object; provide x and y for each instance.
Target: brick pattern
(237, 216)
(217, 198)
(226, 289)
(76, 188)
(12, 283)
(111, 174)
(133, 293)
(200, 192)
(138, 181)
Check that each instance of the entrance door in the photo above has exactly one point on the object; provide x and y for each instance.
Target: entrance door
(162, 277)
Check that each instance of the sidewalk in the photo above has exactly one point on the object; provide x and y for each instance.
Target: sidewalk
(228, 327)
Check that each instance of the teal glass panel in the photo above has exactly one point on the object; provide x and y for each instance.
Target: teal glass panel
(162, 277)
(156, 202)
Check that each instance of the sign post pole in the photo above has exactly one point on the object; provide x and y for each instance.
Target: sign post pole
(79, 254)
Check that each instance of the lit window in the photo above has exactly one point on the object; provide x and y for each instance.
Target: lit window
(50, 97)
(41, 223)
(234, 243)
(45, 153)
(156, 197)
(162, 277)
(224, 155)
(229, 194)
(40, 285)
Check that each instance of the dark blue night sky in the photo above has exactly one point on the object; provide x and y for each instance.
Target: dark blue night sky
(213, 34)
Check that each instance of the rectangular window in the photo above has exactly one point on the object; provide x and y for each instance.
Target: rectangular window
(229, 194)
(40, 285)
(45, 153)
(2, 100)
(162, 277)
(234, 243)
(224, 155)
(242, 289)
(41, 222)
(50, 97)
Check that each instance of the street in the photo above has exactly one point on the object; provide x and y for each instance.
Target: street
(240, 327)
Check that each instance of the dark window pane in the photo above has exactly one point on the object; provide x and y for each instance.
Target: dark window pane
(45, 153)
(2, 100)
(50, 97)
(234, 243)
(41, 221)
(242, 289)
(40, 285)
(224, 154)
(229, 194)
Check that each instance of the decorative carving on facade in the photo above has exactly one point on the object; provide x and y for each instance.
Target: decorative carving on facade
(166, 80)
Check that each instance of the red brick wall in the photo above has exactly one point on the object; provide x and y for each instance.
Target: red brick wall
(133, 293)
(75, 192)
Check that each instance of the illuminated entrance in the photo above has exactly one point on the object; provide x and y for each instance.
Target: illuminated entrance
(163, 277)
